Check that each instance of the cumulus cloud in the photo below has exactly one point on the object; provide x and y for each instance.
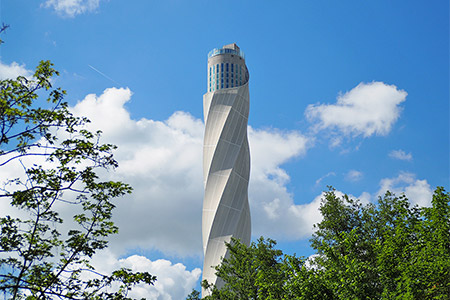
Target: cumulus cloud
(13, 70)
(306, 215)
(162, 160)
(368, 109)
(271, 148)
(353, 175)
(273, 210)
(71, 8)
(173, 280)
(418, 191)
(400, 154)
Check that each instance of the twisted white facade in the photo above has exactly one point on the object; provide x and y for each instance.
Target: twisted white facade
(226, 157)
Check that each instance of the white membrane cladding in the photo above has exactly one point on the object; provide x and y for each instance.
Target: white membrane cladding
(226, 171)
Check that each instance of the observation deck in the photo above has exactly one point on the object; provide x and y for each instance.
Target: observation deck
(217, 51)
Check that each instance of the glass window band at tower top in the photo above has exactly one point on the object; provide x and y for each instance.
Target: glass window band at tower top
(232, 58)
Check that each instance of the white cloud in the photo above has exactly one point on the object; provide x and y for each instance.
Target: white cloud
(162, 161)
(365, 198)
(273, 210)
(353, 175)
(335, 142)
(71, 8)
(368, 109)
(13, 70)
(401, 155)
(304, 216)
(173, 280)
(418, 191)
(281, 218)
(271, 148)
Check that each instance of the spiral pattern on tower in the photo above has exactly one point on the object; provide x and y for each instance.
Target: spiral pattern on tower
(226, 157)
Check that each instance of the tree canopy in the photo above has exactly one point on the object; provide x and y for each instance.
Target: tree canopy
(44, 255)
(387, 250)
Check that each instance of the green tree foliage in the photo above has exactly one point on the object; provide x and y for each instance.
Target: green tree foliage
(194, 295)
(251, 272)
(262, 272)
(387, 250)
(42, 255)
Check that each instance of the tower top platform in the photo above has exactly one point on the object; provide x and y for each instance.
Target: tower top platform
(230, 49)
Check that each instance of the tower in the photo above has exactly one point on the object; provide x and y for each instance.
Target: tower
(226, 157)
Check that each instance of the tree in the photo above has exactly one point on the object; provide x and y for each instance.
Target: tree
(387, 250)
(194, 295)
(252, 272)
(262, 272)
(42, 254)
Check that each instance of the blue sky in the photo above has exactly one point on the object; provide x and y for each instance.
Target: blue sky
(353, 94)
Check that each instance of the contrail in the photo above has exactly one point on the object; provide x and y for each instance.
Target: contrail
(104, 75)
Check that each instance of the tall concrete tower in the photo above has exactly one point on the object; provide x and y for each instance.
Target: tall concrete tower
(226, 157)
